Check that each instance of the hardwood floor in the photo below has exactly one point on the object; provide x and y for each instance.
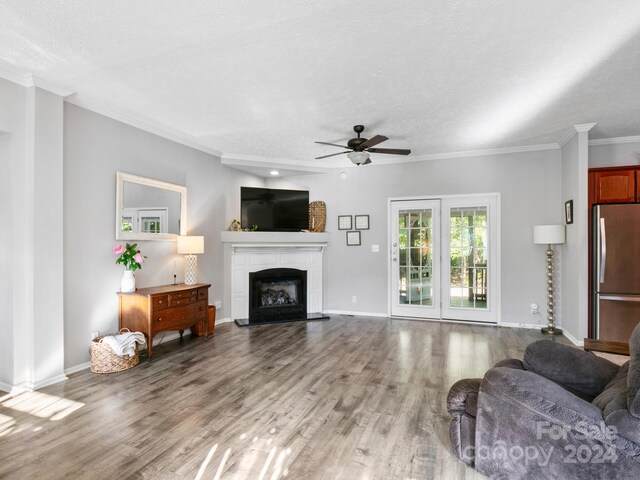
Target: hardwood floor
(351, 398)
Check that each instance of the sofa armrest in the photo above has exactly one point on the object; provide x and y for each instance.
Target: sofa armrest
(581, 372)
(530, 427)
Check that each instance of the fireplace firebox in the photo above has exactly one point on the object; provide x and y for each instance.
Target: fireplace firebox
(277, 294)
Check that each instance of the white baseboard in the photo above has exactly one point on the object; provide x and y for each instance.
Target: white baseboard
(223, 320)
(77, 368)
(359, 314)
(520, 325)
(573, 339)
(31, 386)
(49, 381)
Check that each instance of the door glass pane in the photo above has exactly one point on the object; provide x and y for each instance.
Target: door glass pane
(468, 257)
(414, 254)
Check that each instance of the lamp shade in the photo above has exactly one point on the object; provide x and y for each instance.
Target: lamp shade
(548, 234)
(190, 245)
(358, 157)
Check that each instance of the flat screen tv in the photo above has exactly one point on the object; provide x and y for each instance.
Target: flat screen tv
(274, 210)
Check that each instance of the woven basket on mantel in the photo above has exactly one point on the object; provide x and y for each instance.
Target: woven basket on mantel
(317, 216)
(105, 360)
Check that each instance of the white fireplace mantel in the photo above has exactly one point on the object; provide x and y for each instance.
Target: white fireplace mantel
(274, 237)
(247, 252)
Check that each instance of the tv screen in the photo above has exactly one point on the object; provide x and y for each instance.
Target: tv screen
(274, 210)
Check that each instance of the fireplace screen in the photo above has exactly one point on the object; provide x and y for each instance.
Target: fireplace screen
(277, 293)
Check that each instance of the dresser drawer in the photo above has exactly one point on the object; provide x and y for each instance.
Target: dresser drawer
(179, 318)
(160, 301)
(183, 298)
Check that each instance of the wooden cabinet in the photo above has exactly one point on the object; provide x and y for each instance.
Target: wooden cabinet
(613, 185)
(159, 309)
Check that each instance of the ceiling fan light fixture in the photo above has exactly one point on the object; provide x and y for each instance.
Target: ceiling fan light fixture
(358, 158)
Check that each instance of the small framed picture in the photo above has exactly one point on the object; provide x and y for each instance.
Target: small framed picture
(353, 238)
(568, 212)
(344, 222)
(362, 222)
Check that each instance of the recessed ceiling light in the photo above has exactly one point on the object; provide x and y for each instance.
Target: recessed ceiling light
(274, 172)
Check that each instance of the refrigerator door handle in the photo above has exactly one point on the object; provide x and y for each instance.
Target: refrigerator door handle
(603, 250)
(621, 298)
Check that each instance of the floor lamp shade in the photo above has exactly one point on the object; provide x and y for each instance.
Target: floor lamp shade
(190, 247)
(548, 234)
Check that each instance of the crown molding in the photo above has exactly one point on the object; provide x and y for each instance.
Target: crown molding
(241, 159)
(468, 153)
(150, 126)
(15, 76)
(584, 127)
(614, 140)
(30, 80)
(568, 135)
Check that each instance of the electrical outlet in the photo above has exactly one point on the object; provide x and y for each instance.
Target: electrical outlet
(217, 304)
(354, 299)
(95, 335)
(535, 309)
(375, 248)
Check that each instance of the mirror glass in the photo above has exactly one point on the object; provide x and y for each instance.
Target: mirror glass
(148, 209)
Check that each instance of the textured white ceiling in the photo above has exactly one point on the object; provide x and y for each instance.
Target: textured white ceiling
(267, 78)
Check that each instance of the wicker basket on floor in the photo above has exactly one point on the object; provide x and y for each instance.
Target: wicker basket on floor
(317, 216)
(105, 360)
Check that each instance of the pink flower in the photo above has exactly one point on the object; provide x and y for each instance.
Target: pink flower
(139, 258)
(118, 249)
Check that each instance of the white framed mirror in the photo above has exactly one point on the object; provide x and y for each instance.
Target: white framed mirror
(148, 209)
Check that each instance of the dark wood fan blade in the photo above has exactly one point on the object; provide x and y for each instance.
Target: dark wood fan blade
(333, 155)
(374, 141)
(391, 151)
(332, 144)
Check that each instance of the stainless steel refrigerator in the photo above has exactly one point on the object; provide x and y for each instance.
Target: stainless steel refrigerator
(616, 271)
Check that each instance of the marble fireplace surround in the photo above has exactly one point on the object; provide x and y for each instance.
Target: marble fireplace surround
(247, 252)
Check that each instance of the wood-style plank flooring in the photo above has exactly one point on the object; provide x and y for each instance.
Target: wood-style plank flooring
(351, 398)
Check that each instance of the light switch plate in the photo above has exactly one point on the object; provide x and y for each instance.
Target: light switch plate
(375, 248)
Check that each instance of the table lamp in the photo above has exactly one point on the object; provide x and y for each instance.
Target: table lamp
(190, 246)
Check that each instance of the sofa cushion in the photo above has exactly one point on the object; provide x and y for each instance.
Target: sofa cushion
(633, 380)
(614, 395)
(571, 367)
(463, 396)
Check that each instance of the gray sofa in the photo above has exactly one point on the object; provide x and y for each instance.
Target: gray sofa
(561, 412)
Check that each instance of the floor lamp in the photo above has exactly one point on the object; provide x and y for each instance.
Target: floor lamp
(190, 247)
(549, 235)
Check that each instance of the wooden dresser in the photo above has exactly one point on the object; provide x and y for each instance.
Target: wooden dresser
(160, 309)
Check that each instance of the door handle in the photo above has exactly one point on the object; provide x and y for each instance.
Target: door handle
(620, 298)
(603, 250)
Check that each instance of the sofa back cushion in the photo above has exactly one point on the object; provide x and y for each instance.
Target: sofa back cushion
(633, 379)
(614, 395)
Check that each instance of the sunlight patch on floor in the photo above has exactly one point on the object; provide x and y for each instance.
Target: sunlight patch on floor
(273, 467)
(7, 424)
(42, 405)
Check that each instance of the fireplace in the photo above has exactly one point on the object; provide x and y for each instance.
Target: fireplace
(277, 294)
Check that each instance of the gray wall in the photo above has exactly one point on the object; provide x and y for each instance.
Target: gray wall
(96, 147)
(529, 187)
(619, 154)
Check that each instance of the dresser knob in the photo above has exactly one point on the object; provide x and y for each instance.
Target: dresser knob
(160, 319)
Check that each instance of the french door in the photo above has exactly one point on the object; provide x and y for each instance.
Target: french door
(444, 258)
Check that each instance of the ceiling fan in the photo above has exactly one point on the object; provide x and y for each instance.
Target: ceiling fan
(360, 148)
